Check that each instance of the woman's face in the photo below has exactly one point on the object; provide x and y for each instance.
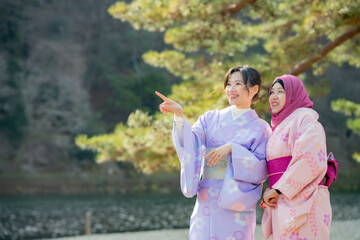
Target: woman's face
(237, 93)
(277, 98)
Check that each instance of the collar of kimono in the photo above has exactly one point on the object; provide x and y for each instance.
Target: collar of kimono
(238, 111)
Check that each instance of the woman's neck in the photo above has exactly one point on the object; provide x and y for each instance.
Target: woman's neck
(241, 106)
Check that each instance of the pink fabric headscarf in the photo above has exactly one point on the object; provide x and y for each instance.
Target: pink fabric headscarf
(296, 97)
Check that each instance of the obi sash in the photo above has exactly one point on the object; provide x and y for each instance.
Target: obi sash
(217, 171)
(276, 168)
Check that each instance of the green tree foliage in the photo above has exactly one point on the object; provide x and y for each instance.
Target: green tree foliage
(352, 111)
(209, 37)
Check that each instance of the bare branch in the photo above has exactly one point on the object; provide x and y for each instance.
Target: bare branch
(307, 63)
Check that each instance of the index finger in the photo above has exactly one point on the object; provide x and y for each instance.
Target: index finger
(162, 96)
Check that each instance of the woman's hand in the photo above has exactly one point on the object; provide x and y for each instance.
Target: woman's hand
(170, 106)
(271, 198)
(218, 153)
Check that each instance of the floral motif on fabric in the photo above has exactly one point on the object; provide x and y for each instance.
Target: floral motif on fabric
(313, 166)
(242, 133)
(327, 219)
(228, 122)
(284, 137)
(290, 222)
(214, 192)
(313, 220)
(206, 211)
(306, 154)
(239, 235)
(242, 219)
(295, 236)
(203, 195)
(199, 223)
(322, 155)
(241, 121)
(294, 184)
(231, 186)
(296, 136)
(304, 194)
(248, 162)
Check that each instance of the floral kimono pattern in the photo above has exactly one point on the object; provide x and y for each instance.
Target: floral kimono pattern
(303, 210)
(225, 208)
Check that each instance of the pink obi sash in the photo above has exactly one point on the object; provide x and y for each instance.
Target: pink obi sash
(276, 168)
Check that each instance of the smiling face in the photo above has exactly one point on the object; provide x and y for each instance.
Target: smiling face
(237, 92)
(277, 98)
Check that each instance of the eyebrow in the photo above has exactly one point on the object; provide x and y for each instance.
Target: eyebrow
(236, 80)
(278, 88)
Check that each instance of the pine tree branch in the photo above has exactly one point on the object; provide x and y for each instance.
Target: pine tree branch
(307, 63)
(236, 7)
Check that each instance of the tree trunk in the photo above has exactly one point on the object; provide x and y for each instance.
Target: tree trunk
(305, 64)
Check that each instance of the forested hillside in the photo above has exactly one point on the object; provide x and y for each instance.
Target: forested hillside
(67, 67)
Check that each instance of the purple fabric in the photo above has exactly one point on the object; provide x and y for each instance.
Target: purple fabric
(296, 97)
(224, 208)
(276, 168)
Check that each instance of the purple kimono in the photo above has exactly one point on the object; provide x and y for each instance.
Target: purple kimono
(225, 208)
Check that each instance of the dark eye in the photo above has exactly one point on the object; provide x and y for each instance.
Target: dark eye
(271, 92)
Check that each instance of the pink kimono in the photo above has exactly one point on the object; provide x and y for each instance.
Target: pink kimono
(303, 210)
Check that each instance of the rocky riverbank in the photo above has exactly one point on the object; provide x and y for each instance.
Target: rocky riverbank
(340, 230)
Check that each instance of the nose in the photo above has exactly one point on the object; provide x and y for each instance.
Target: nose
(231, 87)
(274, 96)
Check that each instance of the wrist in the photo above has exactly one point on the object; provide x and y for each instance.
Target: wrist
(178, 114)
(230, 147)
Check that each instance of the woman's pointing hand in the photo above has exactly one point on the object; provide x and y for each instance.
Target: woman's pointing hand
(170, 106)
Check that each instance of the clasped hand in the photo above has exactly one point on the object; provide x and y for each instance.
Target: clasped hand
(271, 197)
(218, 153)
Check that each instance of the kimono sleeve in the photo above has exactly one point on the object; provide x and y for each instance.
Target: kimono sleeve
(308, 165)
(249, 164)
(190, 154)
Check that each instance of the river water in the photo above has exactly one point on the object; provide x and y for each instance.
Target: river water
(36, 217)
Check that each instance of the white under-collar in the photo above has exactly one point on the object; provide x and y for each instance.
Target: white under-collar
(238, 111)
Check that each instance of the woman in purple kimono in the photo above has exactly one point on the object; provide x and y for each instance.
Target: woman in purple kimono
(222, 159)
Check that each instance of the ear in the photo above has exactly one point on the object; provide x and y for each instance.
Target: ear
(254, 90)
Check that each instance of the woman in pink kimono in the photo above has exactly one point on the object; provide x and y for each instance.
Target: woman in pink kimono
(297, 205)
(222, 159)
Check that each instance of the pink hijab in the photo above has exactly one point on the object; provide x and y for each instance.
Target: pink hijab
(296, 97)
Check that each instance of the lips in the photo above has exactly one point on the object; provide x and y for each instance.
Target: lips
(274, 104)
(232, 96)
